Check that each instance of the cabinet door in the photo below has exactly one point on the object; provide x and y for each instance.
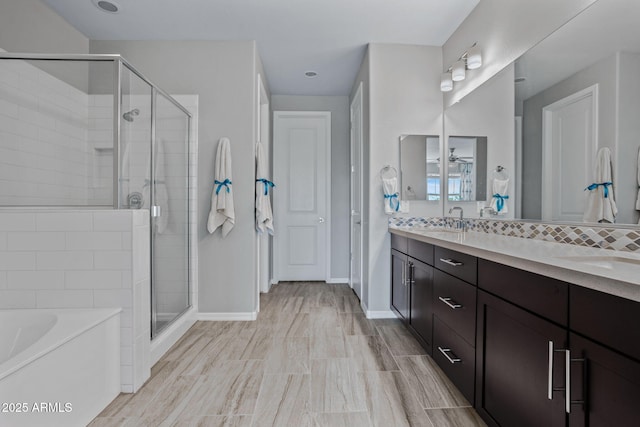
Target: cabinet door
(512, 375)
(421, 314)
(608, 384)
(399, 289)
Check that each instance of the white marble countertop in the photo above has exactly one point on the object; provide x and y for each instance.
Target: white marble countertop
(613, 272)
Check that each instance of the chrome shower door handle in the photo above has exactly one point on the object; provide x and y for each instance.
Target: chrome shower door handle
(156, 211)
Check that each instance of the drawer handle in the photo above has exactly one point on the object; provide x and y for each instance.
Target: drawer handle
(451, 262)
(451, 303)
(446, 351)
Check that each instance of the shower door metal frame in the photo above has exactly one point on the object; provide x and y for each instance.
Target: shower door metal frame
(118, 62)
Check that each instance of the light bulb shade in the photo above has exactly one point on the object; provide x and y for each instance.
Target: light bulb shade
(458, 71)
(446, 84)
(474, 58)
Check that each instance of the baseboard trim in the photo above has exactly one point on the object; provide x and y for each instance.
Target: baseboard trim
(274, 282)
(228, 316)
(338, 281)
(388, 314)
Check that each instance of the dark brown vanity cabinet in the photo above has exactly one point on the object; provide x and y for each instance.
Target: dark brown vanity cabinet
(514, 375)
(605, 353)
(412, 286)
(399, 289)
(454, 299)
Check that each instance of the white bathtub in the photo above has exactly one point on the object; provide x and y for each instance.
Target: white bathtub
(58, 367)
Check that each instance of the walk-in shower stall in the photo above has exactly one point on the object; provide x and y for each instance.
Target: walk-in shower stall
(90, 131)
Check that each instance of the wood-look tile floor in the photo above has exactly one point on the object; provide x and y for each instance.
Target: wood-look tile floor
(311, 359)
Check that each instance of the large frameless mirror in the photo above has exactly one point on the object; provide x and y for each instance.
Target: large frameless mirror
(420, 168)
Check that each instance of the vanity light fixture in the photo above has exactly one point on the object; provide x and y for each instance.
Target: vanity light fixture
(446, 84)
(470, 60)
(458, 70)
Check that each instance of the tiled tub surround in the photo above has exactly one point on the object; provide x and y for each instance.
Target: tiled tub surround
(569, 263)
(82, 259)
(617, 239)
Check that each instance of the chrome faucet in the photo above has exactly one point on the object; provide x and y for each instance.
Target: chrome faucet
(460, 222)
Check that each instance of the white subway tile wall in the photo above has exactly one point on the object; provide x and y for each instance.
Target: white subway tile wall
(43, 138)
(72, 263)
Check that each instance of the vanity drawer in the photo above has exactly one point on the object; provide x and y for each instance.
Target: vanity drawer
(457, 264)
(611, 320)
(454, 303)
(399, 243)
(421, 251)
(542, 295)
(455, 357)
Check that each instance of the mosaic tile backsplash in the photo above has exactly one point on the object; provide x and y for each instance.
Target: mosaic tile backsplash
(616, 239)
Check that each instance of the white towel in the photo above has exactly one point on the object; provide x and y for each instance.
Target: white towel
(500, 195)
(222, 213)
(392, 202)
(600, 208)
(264, 215)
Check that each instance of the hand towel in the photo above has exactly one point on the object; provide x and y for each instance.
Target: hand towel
(499, 196)
(264, 214)
(222, 212)
(601, 205)
(391, 196)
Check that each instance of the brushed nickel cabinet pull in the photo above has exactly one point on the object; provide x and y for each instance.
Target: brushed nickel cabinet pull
(453, 358)
(451, 262)
(450, 303)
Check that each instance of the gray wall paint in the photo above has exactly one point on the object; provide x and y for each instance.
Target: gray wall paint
(404, 99)
(223, 75)
(413, 167)
(29, 26)
(340, 176)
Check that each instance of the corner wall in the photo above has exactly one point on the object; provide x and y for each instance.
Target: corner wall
(403, 98)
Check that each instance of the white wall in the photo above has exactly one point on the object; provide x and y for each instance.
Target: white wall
(404, 98)
(487, 111)
(504, 29)
(340, 170)
(223, 74)
(83, 259)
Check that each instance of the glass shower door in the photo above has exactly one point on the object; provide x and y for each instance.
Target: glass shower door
(169, 214)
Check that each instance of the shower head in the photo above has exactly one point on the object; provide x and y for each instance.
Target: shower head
(129, 115)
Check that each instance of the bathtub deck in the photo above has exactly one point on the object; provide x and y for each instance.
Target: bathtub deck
(311, 358)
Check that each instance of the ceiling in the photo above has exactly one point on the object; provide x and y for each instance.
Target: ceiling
(293, 36)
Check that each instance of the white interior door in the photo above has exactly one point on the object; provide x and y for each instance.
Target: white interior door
(302, 144)
(569, 145)
(355, 279)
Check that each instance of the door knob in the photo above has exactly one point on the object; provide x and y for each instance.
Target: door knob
(358, 222)
(321, 220)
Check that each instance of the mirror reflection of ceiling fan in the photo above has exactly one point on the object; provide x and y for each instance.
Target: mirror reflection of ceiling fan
(453, 158)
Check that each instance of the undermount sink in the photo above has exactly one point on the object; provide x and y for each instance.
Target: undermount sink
(610, 262)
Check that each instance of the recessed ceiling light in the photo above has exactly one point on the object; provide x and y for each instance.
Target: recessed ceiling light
(310, 74)
(106, 6)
